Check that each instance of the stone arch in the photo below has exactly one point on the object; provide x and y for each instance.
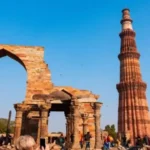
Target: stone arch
(4, 53)
(38, 73)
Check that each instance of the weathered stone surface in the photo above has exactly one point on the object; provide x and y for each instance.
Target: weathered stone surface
(32, 114)
(133, 113)
(31, 58)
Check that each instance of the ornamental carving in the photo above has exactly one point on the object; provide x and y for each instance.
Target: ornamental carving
(129, 55)
(139, 121)
(84, 116)
(20, 107)
(131, 85)
(133, 108)
(127, 33)
(98, 106)
(92, 105)
(124, 65)
(45, 107)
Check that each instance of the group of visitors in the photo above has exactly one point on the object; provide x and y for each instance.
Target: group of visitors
(4, 140)
(125, 142)
(27, 142)
(84, 140)
(61, 141)
(139, 141)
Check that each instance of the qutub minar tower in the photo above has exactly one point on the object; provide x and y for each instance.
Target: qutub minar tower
(133, 112)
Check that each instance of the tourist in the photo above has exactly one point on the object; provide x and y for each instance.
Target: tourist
(124, 141)
(1, 140)
(105, 145)
(61, 141)
(109, 141)
(146, 140)
(149, 140)
(139, 141)
(72, 138)
(81, 140)
(128, 143)
(87, 138)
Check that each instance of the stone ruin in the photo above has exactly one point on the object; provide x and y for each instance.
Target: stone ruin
(80, 107)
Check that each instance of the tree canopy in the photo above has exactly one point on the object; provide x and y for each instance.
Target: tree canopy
(111, 130)
(3, 125)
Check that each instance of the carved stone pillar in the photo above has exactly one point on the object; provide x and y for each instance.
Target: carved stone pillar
(72, 124)
(76, 117)
(18, 121)
(98, 142)
(39, 131)
(85, 118)
(70, 117)
(69, 130)
(44, 121)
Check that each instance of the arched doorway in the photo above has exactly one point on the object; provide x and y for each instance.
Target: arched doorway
(12, 83)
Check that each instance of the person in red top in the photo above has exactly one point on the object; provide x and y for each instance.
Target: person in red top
(108, 141)
(81, 140)
(106, 146)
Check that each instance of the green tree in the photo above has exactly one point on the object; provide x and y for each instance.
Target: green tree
(111, 130)
(3, 126)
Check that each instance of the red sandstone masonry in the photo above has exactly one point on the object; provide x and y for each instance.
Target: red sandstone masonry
(32, 58)
(133, 115)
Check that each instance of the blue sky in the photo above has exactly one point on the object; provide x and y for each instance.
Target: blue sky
(81, 42)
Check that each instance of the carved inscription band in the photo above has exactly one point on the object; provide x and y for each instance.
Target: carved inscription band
(129, 55)
(133, 108)
(127, 33)
(139, 121)
(131, 85)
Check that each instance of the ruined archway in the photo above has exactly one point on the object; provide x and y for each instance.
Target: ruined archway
(81, 109)
(61, 101)
(38, 74)
(13, 78)
(4, 53)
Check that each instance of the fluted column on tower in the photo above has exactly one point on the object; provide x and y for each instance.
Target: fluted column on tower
(133, 113)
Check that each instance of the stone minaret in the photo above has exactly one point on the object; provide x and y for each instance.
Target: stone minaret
(133, 112)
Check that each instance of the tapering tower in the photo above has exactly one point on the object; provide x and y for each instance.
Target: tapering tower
(133, 112)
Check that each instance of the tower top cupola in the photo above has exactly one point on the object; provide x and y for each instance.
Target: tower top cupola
(126, 20)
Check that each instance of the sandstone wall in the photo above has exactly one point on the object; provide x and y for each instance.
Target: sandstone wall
(32, 59)
(87, 108)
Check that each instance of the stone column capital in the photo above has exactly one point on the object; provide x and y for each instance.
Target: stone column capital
(74, 101)
(84, 116)
(45, 107)
(97, 115)
(97, 125)
(98, 105)
(22, 107)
